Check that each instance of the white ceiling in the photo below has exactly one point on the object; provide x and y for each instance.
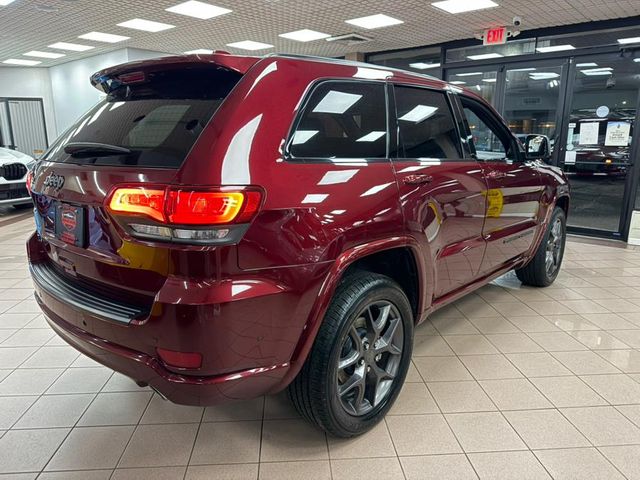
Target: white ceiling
(25, 26)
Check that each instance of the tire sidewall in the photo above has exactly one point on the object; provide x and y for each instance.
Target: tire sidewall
(558, 213)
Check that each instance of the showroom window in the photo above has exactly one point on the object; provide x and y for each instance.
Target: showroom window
(426, 126)
(491, 142)
(342, 120)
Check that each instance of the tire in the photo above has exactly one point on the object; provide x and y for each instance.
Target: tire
(537, 272)
(347, 336)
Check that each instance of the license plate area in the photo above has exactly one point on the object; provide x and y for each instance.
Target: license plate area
(70, 223)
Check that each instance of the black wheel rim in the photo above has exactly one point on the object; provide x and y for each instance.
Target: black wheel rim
(554, 248)
(370, 358)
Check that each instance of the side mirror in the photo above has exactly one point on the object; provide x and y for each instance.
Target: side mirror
(537, 147)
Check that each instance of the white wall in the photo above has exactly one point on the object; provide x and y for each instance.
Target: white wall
(29, 82)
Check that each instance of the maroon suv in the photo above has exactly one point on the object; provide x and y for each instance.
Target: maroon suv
(223, 227)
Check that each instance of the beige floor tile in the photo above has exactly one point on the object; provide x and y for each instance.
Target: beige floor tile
(490, 367)
(494, 325)
(514, 343)
(455, 397)
(29, 338)
(241, 443)
(515, 309)
(577, 463)
(545, 429)
(287, 440)
(414, 399)
(116, 408)
(629, 337)
(568, 392)
(15, 320)
(158, 473)
(562, 294)
(571, 323)
(538, 364)
(12, 408)
(442, 467)
(235, 411)
(361, 469)
(79, 475)
(625, 458)
(159, 446)
(599, 340)
(603, 425)
(223, 472)
(51, 357)
(508, 466)
(430, 346)
(163, 411)
(534, 323)
(474, 307)
(91, 448)
(609, 321)
(585, 363)
(551, 307)
(616, 389)
(51, 411)
(310, 470)
(617, 305)
(454, 326)
(427, 328)
(632, 412)
(584, 306)
(470, 344)
(81, 380)
(557, 341)
(375, 443)
(14, 357)
(422, 435)
(29, 381)
(29, 450)
(278, 407)
(628, 361)
(413, 376)
(484, 432)
(441, 369)
(514, 394)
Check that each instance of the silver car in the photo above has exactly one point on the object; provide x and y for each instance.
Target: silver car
(14, 167)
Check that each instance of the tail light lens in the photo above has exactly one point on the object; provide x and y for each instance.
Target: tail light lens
(190, 360)
(29, 180)
(173, 207)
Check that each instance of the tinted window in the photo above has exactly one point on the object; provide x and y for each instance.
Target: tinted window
(491, 142)
(425, 124)
(158, 120)
(342, 120)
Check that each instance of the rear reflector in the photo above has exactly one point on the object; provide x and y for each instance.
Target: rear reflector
(180, 359)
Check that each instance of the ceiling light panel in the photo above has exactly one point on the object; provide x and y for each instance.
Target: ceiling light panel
(304, 35)
(423, 65)
(19, 61)
(196, 9)
(103, 37)
(199, 51)
(146, 25)
(485, 56)
(462, 6)
(38, 54)
(374, 21)
(4, 3)
(72, 47)
(555, 48)
(627, 41)
(250, 45)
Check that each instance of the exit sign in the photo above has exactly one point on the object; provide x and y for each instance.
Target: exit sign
(495, 36)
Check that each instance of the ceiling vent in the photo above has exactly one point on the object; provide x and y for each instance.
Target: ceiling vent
(350, 39)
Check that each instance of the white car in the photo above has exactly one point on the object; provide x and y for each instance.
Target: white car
(13, 177)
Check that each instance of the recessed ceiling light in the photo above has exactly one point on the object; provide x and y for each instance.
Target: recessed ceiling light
(73, 47)
(304, 35)
(197, 9)
(103, 37)
(529, 69)
(374, 21)
(485, 56)
(626, 41)
(250, 45)
(490, 80)
(5, 2)
(597, 73)
(589, 64)
(199, 51)
(38, 54)
(146, 25)
(458, 82)
(470, 74)
(461, 6)
(18, 61)
(555, 48)
(637, 60)
(424, 66)
(543, 75)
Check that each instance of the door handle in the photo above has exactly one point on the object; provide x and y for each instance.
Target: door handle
(496, 175)
(418, 179)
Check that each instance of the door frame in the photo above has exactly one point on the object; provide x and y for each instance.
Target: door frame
(5, 101)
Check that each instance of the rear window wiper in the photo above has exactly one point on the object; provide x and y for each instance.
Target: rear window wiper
(91, 149)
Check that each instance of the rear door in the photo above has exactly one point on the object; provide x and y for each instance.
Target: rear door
(513, 187)
(441, 191)
(141, 133)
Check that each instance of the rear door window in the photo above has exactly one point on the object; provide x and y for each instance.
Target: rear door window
(158, 120)
(342, 120)
(426, 126)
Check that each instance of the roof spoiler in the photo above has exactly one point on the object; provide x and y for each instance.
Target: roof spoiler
(111, 78)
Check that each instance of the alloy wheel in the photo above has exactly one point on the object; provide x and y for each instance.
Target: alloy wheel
(554, 247)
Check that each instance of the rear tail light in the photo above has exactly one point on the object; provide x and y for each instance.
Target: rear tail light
(29, 180)
(174, 210)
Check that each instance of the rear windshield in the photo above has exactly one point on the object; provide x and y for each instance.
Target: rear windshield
(158, 121)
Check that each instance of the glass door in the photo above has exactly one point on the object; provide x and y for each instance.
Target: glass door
(482, 81)
(597, 155)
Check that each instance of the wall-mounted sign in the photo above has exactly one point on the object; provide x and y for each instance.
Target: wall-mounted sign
(589, 133)
(602, 111)
(495, 36)
(617, 134)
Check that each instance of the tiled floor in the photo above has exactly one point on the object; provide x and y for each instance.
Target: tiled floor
(510, 382)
